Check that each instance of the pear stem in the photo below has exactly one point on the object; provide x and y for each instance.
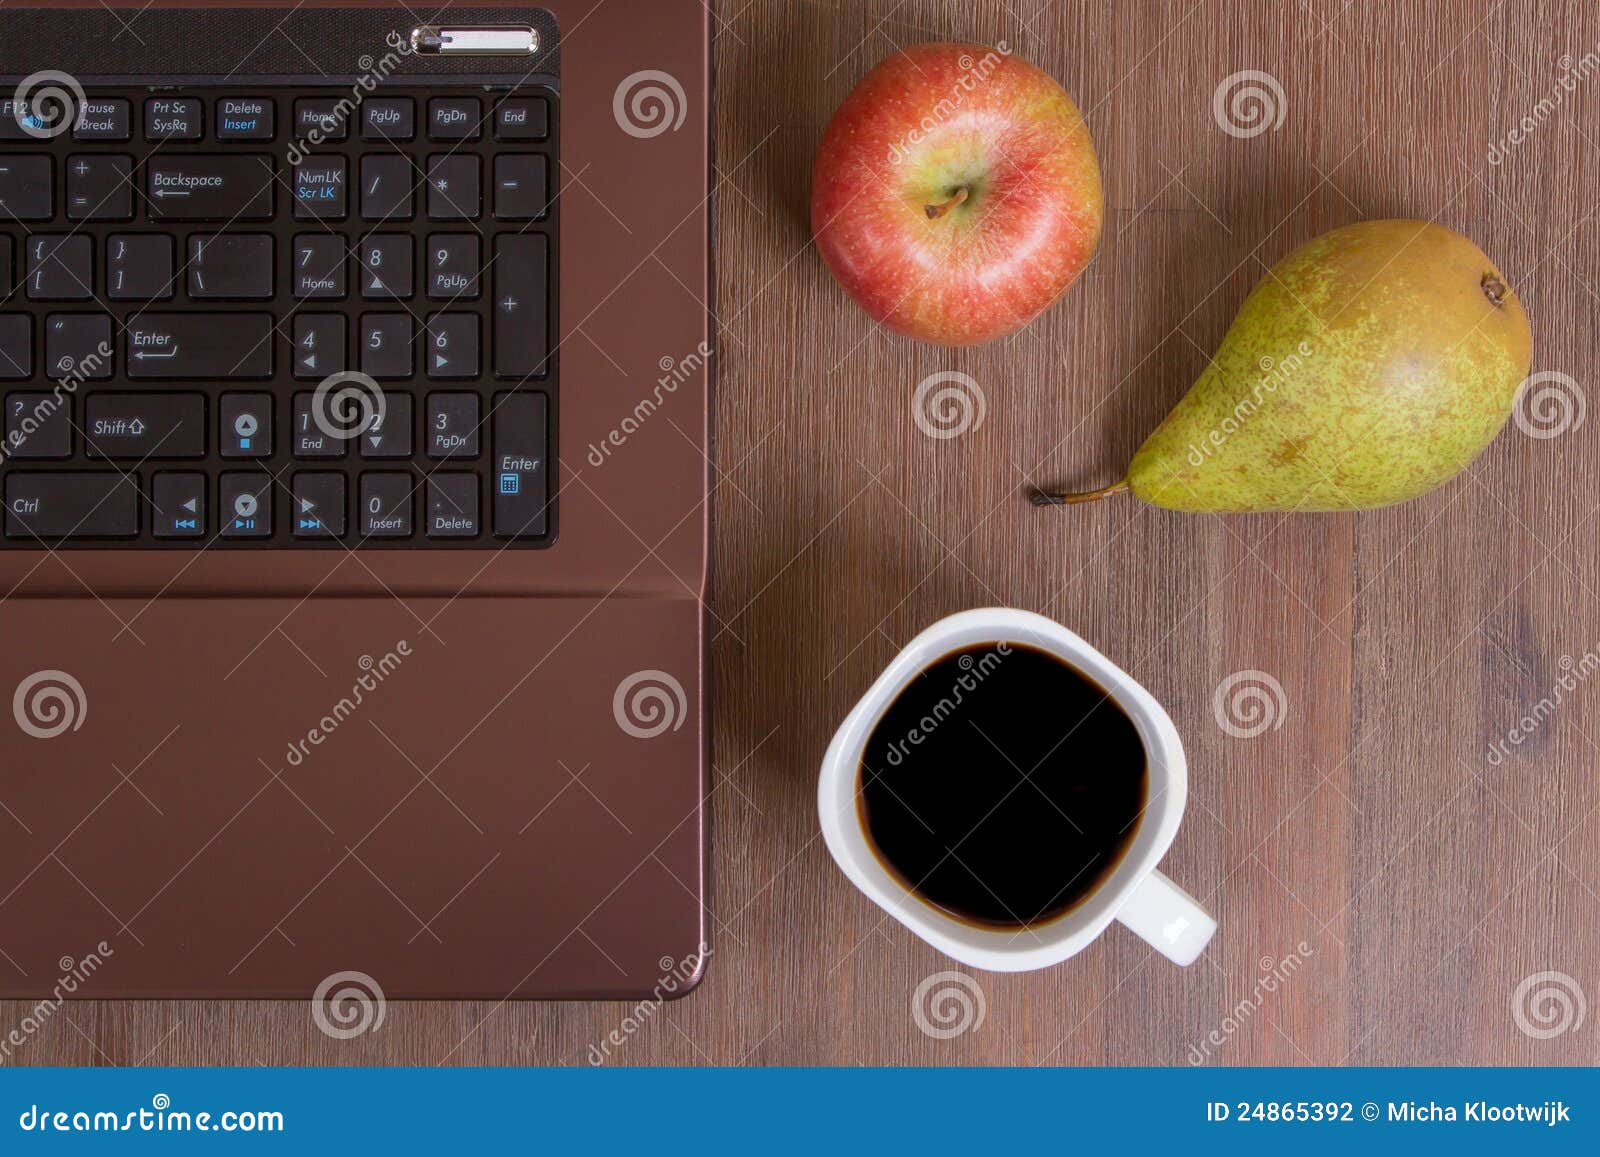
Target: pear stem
(1046, 498)
(934, 212)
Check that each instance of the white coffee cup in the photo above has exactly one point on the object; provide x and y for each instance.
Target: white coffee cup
(1134, 892)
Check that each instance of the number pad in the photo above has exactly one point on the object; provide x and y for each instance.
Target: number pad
(452, 346)
(452, 426)
(318, 345)
(385, 260)
(386, 345)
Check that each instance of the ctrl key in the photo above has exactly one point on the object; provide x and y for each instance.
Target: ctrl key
(71, 504)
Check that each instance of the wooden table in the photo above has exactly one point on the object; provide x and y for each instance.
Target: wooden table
(1366, 846)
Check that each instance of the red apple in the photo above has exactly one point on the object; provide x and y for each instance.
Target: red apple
(956, 193)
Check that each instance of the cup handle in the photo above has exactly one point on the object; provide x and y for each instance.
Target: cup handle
(1168, 918)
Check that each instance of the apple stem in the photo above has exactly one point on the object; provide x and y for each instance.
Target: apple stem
(934, 212)
(1046, 498)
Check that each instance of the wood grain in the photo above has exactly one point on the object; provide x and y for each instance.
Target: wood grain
(1424, 881)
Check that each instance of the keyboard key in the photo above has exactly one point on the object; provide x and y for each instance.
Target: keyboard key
(385, 507)
(320, 120)
(452, 426)
(521, 283)
(453, 266)
(228, 187)
(319, 189)
(230, 266)
(522, 119)
(388, 435)
(124, 425)
(5, 265)
(453, 188)
(99, 188)
(245, 425)
(319, 266)
(246, 118)
(388, 184)
(139, 267)
(173, 119)
(318, 345)
(103, 119)
(451, 349)
(60, 268)
(14, 114)
(16, 345)
(521, 187)
(454, 118)
(246, 502)
(71, 504)
(38, 426)
(452, 506)
(518, 482)
(318, 506)
(386, 345)
(178, 505)
(77, 345)
(314, 437)
(391, 119)
(385, 261)
(199, 345)
(26, 191)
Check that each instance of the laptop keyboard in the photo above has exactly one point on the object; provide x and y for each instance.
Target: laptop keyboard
(279, 318)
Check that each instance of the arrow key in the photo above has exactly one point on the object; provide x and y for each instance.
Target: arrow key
(388, 433)
(318, 346)
(179, 502)
(318, 510)
(246, 425)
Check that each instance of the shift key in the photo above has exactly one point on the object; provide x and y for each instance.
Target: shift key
(128, 425)
(199, 345)
(71, 504)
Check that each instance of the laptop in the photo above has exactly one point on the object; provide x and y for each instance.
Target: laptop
(356, 367)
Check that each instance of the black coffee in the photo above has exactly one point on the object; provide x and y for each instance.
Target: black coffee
(1002, 786)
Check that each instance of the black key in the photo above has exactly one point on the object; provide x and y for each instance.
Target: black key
(77, 345)
(451, 345)
(318, 345)
(319, 189)
(520, 469)
(38, 426)
(385, 260)
(26, 192)
(246, 118)
(318, 506)
(5, 265)
(522, 119)
(521, 187)
(387, 187)
(386, 345)
(452, 506)
(210, 187)
(168, 118)
(317, 436)
(99, 188)
(453, 266)
(230, 266)
(454, 118)
(388, 434)
(60, 268)
(75, 504)
(16, 345)
(452, 426)
(103, 119)
(385, 507)
(245, 425)
(320, 120)
(453, 188)
(199, 345)
(246, 505)
(521, 283)
(139, 267)
(178, 505)
(36, 121)
(123, 425)
(389, 119)
(318, 266)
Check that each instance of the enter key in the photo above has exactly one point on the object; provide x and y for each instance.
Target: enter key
(521, 471)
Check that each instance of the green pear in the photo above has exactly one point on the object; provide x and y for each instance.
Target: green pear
(1371, 365)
